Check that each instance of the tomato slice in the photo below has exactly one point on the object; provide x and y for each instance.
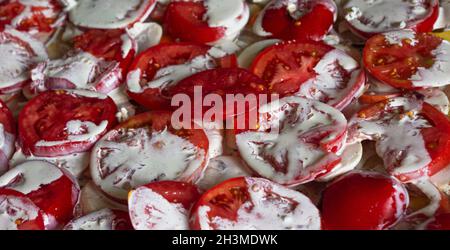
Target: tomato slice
(379, 92)
(51, 189)
(165, 65)
(105, 219)
(296, 141)
(412, 136)
(19, 53)
(363, 201)
(162, 205)
(300, 19)
(408, 60)
(247, 203)
(38, 18)
(63, 122)
(99, 63)
(366, 19)
(222, 82)
(313, 70)
(206, 22)
(110, 14)
(7, 136)
(19, 212)
(145, 149)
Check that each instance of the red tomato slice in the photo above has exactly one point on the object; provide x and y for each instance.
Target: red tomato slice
(366, 19)
(408, 60)
(19, 54)
(105, 219)
(296, 141)
(412, 136)
(111, 45)
(7, 136)
(440, 222)
(63, 122)
(22, 213)
(162, 205)
(53, 190)
(222, 82)
(247, 203)
(99, 63)
(110, 14)
(38, 18)
(204, 21)
(164, 65)
(313, 70)
(145, 149)
(363, 201)
(300, 19)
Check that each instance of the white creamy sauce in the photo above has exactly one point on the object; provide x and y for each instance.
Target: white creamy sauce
(100, 220)
(82, 70)
(125, 108)
(86, 93)
(78, 131)
(233, 15)
(331, 83)
(351, 157)
(223, 13)
(292, 122)
(375, 16)
(151, 211)
(220, 169)
(215, 135)
(6, 147)
(172, 74)
(400, 36)
(442, 180)
(30, 176)
(437, 98)
(285, 209)
(246, 57)
(399, 140)
(110, 14)
(146, 35)
(438, 74)
(73, 163)
(16, 59)
(127, 158)
(434, 196)
(13, 209)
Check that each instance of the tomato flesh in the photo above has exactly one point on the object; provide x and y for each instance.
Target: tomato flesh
(395, 64)
(45, 118)
(162, 56)
(41, 17)
(281, 24)
(194, 28)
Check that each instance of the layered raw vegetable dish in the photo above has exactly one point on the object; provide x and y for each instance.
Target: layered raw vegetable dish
(351, 112)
